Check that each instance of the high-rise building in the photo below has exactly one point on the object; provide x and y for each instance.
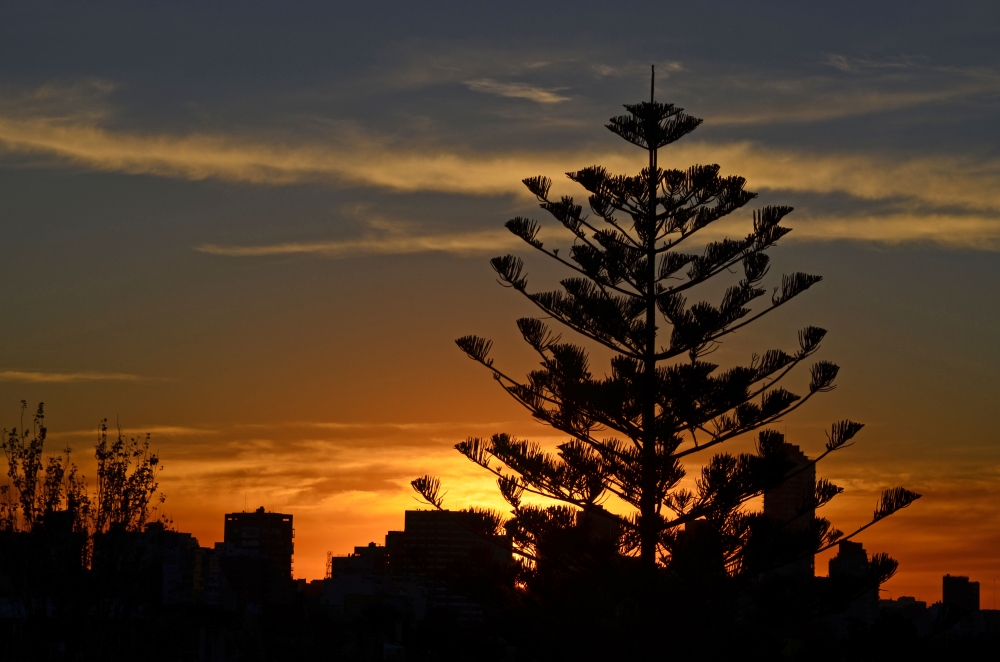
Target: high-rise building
(159, 565)
(851, 561)
(262, 535)
(434, 543)
(255, 558)
(851, 566)
(433, 540)
(960, 592)
(788, 503)
(785, 502)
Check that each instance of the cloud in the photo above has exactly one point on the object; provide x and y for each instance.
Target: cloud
(847, 103)
(959, 231)
(663, 69)
(861, 87)
(308, 470)
(956, 230)
(332, 435)
(848, 64)
(301, 470)
(352, 160)
(67, 377)
(939, 180)
(894, 225)
(397, 244)
(154, 430)
(606, 70)
(403, 427)
(949, 199)
(839, 62)
(516, 90)
(174, 430)
(384, 236)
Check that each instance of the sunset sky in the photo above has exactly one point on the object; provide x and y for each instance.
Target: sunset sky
(254, 230)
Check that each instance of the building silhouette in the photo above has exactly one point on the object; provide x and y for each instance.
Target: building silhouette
(434, 541)
(181, 564)
(850, 568)
(255, 557)
(377, 556)
(851, 561)
(415, 570)
(959, 592)
(790, 505)
(364, 580)
(263, 534)
(155, 566)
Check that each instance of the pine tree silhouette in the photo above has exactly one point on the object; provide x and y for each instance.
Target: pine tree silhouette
(663, 402)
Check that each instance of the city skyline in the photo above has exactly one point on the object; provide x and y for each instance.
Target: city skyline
(256, 237)
(432, 525)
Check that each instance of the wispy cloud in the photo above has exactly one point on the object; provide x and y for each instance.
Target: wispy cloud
(964, 231)
(370, 457)
(859, 87)
(67, 377)
(947, 202)
(354, 160)
(974, 231)
(851, 64)
(836, 104)
(397, 244)
(947, 197)
(155, 431)
(516, 90)
(939, 180)
(403, 427)
(663, 69)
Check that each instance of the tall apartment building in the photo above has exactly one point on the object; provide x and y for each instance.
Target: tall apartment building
(851, 565)
(787, 502)
(255, 557)
(851, 561)
(960, 592)
(262, 535)
(434, 540)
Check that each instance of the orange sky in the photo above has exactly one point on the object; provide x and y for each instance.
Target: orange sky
(334, 436)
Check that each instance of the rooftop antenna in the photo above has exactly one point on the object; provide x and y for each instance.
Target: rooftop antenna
(652, 81)
(244, 500)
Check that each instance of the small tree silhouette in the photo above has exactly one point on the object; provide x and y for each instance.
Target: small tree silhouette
(127, 474)
(126, 481)
(663, 403)
(35, 489)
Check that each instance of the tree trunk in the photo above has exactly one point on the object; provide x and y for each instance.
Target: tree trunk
(649, 529)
